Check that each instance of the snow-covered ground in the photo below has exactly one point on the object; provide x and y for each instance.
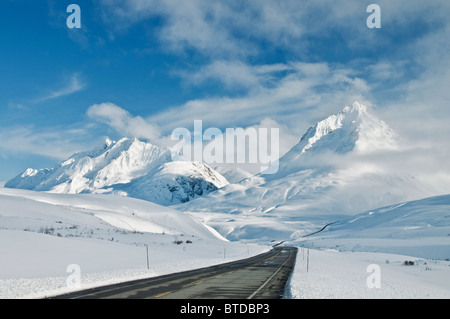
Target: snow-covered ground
(43, 235)
(47, 239)
(408, 242)
(37, 265)
(356, 275)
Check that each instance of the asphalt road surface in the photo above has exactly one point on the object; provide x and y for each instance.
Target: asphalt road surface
(259, 277)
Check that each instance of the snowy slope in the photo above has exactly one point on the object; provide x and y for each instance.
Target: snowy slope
(87, 211)
(234, 174)
(175, 182)
(419, 228)
(128, 166)
(41, 234)
(409, 243)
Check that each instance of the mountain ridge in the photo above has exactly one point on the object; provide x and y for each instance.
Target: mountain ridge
(122, 167)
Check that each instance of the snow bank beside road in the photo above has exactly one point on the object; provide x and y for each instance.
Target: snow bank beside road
(35, 265)
(344, 275)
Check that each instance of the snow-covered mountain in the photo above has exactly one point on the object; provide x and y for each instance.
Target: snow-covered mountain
(129, 167)
(109, 164)
(353, 130)
(336, 170)
(175, 182)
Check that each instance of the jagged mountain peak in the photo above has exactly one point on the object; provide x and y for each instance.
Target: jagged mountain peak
(123, 166)
(108, 142)
(356, 107)
(352, 129)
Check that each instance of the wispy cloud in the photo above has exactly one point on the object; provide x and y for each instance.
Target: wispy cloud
(288, 93)
(54, 142)
(235, 74)
(74, 84)
(17, 106)
(288, 96)
(225, 29)
(408, 56)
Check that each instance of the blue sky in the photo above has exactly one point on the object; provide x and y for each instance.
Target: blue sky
(145, 67)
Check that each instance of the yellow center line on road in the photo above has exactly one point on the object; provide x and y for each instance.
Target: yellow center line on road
(198, 283)
(163, 294)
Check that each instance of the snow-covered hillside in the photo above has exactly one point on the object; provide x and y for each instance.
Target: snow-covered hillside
(409, 244)
(130, 166)
(419, 228)
(175, 182)
(41, 234)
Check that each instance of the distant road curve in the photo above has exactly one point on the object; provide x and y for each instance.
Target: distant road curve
(260, 277)
(322, 229)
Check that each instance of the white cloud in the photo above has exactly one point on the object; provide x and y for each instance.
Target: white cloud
(123, 122)
(236, 75)
(126, 124)
(301, 92)
(74, 84)
(232, 28)
(233, 74)
(387, 70)
(55, 142)
(197, 24)
(421, 108)
(229, 29)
